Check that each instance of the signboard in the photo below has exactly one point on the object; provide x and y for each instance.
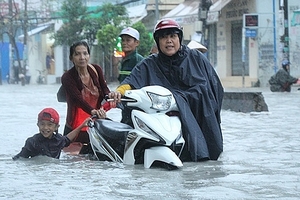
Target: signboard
(212, 17)
(250, 20)
(251, 33)
(296, 18)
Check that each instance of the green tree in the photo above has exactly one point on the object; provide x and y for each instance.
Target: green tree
(16, 19)
(101, 23)
(146, 41)
(113, 14)
(82, 23)
(112, 17)
(108, 35)
(73, 15)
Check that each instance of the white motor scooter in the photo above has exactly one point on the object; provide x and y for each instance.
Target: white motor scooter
(155, 137)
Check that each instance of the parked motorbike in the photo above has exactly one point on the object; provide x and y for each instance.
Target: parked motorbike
(155, 138)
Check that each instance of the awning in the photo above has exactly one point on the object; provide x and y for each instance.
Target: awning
(137, 13)
(35, 31)
(214, 11)
(184, 13)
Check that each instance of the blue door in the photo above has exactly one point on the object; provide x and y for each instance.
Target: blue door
(4, 59)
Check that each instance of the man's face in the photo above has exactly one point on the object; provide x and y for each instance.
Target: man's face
(129, 44)
(169, 44)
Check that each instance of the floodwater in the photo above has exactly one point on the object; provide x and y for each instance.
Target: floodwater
(261, 158)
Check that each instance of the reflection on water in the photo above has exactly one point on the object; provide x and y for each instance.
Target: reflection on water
(260, 160)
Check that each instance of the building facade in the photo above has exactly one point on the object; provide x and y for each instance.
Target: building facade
(248, 57)
(244, 55)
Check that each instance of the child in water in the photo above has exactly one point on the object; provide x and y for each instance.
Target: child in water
(48, 142)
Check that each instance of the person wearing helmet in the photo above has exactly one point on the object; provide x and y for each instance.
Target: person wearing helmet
(188, 74)
(48, 142)
(282, 80)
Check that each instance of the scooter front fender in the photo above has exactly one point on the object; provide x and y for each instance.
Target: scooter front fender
(161, 153)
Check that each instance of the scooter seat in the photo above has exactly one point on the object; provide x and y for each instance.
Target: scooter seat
(112, 129)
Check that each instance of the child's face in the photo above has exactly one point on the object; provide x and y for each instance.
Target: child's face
(129, 44)
(47, 128)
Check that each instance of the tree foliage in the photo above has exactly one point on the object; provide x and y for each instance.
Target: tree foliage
(107, 37)
(73, 15)
(113, 14)
(83, 23)
(103, 23)
(146, 40)
(112, 17)
(115, 19)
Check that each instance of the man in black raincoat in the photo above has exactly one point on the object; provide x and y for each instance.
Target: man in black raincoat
(195, 85)
(282, 80)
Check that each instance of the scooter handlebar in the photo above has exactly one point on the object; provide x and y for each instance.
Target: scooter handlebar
(91, 122)
(122, 99)
(94, 116)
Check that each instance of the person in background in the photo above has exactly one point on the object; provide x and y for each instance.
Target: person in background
(48, 63)
(282, 80)
(86, 88)
(16, 73)
(130, 41)
(130, 38)
(196, 87)
(8, 78)
(27, 74)
(48, 142)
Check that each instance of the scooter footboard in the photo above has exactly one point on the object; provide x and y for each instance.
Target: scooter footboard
(163, 154)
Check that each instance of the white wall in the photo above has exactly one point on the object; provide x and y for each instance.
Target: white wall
(36, 57)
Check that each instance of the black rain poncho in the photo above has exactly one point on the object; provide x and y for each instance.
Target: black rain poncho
(282, 81)
(198, 93)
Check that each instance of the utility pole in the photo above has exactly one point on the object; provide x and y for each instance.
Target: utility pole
(156, 11)
(11, 53)
(274, 38)
(25, 31)
(202, 15)
(285, 38)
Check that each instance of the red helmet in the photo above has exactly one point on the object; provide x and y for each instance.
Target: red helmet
(167, 24)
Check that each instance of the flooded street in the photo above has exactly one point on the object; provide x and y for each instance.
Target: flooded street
(261, 158)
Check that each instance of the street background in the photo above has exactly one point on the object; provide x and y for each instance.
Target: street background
(261, 158)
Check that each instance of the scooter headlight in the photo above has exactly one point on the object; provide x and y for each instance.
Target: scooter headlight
(160, 102)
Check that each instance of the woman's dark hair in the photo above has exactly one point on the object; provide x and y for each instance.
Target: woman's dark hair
(76, 44)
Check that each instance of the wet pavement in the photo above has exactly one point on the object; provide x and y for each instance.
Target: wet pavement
(261, 158)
